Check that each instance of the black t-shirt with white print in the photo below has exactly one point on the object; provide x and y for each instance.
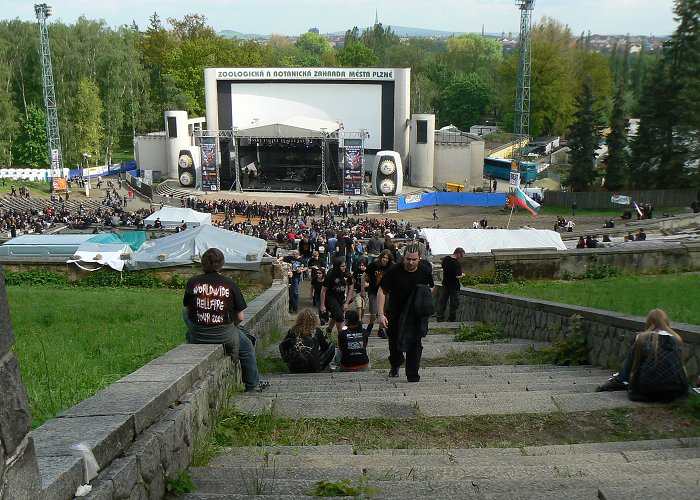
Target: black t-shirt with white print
(213, 299)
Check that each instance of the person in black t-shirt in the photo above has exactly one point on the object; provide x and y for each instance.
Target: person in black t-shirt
(372, 277)
(212, 309)
(398, 283)
(451, 274)
(352, 342)
(360, 297)
(333, 293)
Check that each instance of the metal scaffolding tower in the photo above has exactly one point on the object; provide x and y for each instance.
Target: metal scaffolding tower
(521, 126)
(43, 11)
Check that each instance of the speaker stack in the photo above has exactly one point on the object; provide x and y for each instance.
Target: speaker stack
(189, 161)
(387, 174)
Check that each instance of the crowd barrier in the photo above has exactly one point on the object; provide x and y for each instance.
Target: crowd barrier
(445, 198)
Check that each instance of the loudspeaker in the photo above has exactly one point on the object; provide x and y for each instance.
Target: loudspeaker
(387, 173)
(189, 162)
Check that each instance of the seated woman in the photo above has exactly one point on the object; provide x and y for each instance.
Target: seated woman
(305, 349)
(654, 368)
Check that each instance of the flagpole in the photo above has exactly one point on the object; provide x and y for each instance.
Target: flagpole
(511, 215)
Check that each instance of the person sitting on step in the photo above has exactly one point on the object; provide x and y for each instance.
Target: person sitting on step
(352, 342)
(305, 349)
(654, 368)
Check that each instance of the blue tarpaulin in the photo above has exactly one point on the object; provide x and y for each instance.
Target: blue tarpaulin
(446, 198)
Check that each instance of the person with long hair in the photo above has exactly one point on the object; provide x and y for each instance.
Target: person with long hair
(654, 368)
(305, 349)
(370, 286)
(334, 298)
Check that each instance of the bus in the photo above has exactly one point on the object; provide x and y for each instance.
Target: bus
(499, 168)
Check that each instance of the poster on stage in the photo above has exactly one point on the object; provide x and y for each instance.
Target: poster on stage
(210, 169)
(353, 160)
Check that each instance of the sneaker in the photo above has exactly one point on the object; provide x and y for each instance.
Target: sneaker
(264, 384)
(613, 384)
(382, 334)
(394, 372)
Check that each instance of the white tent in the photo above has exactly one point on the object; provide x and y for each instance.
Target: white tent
(444, 241)
(292, 127)
(240, 251)
(103, 254)
(173, 216)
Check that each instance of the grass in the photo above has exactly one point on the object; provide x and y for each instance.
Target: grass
(35, 187)
(658, 422)
(677, 294)
(73, 342)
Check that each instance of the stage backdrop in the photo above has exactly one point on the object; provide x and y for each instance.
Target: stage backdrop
(444, 198)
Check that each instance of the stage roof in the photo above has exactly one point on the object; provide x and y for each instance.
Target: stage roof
(292, 127)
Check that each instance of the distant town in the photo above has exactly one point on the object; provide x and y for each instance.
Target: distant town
(598, 43)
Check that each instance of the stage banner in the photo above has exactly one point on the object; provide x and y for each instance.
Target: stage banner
(353, 158)
(210, 169)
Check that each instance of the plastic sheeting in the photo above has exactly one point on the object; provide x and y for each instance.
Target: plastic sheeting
(444, 241)
(173, 216)
(448, 198)
(240, 251)
(103, 254)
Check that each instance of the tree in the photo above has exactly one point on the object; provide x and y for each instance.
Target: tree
(30, 148)
(89, 127)
(584, 137)
(463, 102)
(357, 55)
(617, 143)
(313, 43)
(379, 39)
(472, 53)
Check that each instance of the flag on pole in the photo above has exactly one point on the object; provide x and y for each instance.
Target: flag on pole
(639, 210)
(519, 199)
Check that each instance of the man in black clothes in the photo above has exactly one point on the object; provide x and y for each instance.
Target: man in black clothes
(451, 274)
(398, 283)
(212, 309)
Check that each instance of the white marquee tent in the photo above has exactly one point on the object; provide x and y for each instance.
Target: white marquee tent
(444, 241)
(293, 127)
(171, 217)
(240, 251)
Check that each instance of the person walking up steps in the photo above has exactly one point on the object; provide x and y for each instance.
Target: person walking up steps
(408, 286)
(451, 274)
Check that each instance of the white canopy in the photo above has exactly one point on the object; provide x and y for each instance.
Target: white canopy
(173, 216)
(444, 241)
(240, 251)
(104, 254)
(292, 127)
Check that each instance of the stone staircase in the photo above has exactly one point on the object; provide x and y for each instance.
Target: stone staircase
(656, 469)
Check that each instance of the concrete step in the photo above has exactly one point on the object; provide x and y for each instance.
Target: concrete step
(294, 467)
(434, 405)
(560, 482)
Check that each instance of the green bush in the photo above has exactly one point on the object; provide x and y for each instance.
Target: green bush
(479, 332)
(601, 272)
(35, 277)
(570, 350)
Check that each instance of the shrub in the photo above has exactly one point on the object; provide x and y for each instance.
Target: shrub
(478, 332)
(570, 350)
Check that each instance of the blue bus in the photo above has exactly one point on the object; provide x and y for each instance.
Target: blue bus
(499, 168)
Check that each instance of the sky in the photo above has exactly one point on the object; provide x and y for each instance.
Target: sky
(293, 17)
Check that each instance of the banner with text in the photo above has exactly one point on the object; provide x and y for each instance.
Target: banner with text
(210, 169)
(352, 167)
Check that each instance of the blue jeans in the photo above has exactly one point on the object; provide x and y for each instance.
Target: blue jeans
(245, 348)
(294, 292)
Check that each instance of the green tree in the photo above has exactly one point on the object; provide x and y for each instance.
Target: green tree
(30, 148)
(89, 126)
(584, 136)
(379, 39)
(357, 55)
(472, 53)
(313, 43)
(464, 101)
(617, 143)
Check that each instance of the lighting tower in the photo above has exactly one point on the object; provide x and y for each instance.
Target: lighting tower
(43, 11)
(521, 127)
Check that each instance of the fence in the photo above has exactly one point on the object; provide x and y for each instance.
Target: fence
(657, 198)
